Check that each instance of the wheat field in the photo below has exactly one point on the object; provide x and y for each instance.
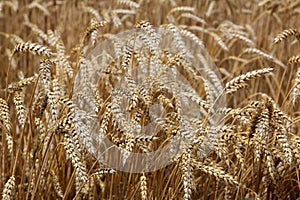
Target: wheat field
(150, 99)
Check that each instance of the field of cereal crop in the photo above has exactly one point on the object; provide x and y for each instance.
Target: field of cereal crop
(150, 99)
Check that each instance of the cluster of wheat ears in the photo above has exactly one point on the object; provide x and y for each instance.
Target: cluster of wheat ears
(224, 72)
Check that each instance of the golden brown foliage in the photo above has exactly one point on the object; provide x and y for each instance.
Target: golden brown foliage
(250, 151)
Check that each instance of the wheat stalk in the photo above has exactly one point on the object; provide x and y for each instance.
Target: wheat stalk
(264, 55)
(240, 81)
(34, 49)
(130, 3)
(21, 109)
(189, 34)
(10, 144)
(9, 189)
(92, 11)
(143, 187)
(193, 17)
(57, 185)
(243, 38)
(215, 36)
(152, 38)
(93, 27)
(15, 86)
(45, 74)
(181, 9)
(285, 34)
(217, 172)
(74, 150)
(35, 29)
(53, 38)
(4, 115)
(187, 173)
